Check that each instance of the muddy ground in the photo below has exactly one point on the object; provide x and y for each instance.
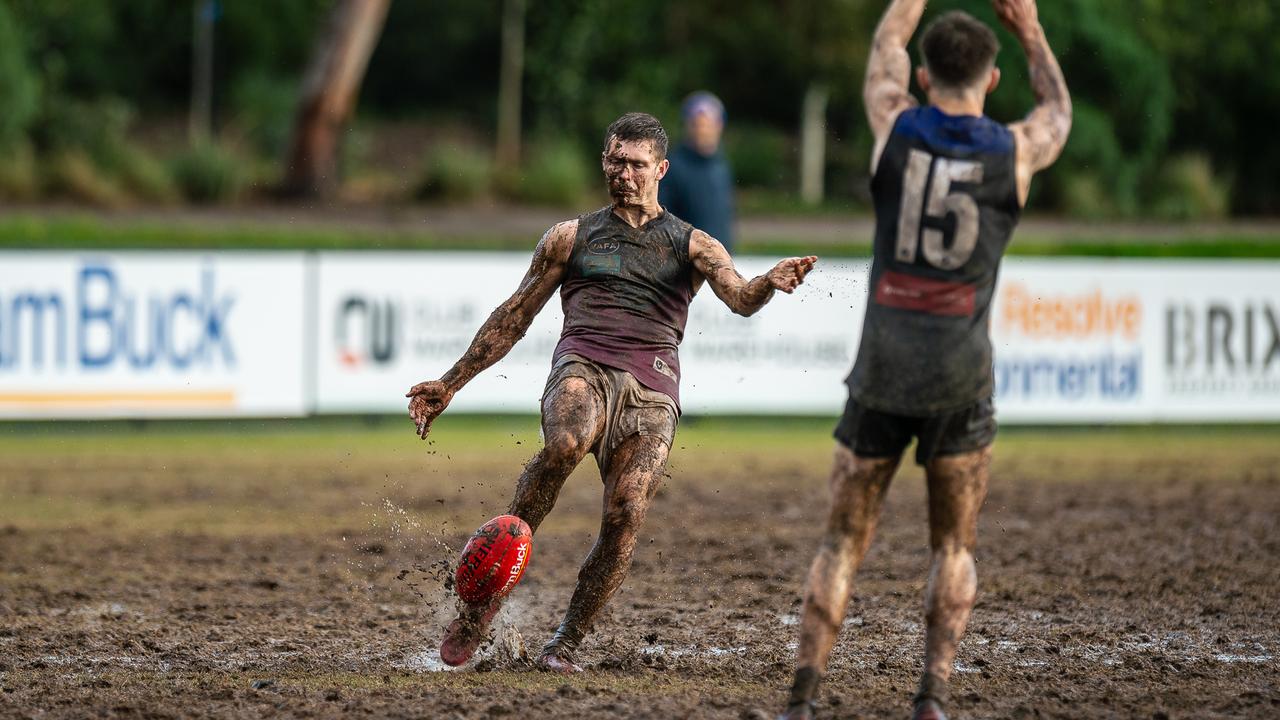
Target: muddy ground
(295, 573)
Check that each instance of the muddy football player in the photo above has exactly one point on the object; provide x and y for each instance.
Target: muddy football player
(948, 185)
(626, 275)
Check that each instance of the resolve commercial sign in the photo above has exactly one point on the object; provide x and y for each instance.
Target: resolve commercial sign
(1068, 342)
(151, 334)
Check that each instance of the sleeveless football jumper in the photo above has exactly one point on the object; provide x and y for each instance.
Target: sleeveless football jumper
(946, 203)
(626, 296)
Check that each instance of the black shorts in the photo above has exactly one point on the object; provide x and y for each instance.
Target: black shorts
(871, 433)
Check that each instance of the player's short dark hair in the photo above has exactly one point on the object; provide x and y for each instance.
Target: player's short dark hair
(958, 49)
(639, 126)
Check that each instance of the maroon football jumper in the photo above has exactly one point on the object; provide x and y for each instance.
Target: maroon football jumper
(626, 296)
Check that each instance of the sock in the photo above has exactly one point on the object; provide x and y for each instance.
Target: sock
(932, 687)
(565, 640)
(805, 686)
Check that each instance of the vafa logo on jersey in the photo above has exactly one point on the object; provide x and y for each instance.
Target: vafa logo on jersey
(604, 246)
(105, 322)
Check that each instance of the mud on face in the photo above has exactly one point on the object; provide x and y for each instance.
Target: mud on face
(632, 170)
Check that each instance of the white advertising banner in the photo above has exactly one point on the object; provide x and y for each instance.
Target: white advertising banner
(1075, 340)
(1072, 340)
(1137, 340)
(180, 334)
(1219, 341)
(390, 320)
(151, 334)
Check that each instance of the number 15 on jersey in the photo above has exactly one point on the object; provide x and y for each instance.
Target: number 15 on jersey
(940, 203)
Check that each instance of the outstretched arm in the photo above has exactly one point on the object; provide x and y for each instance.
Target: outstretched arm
(743, 296)
(1042, 135)
(885, 92)
(505, 326)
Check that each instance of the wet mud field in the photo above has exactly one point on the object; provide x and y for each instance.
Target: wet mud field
(298, 574)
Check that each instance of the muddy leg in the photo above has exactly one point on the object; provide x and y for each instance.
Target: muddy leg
(573, 417)
(957, 489)
(634, 474)
(858, 486)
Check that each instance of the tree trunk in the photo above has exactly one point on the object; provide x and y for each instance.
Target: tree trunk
(329, 92)
(509, 81)
(813, 142)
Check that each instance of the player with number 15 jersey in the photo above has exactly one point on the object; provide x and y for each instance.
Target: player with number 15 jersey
(949, 184)
(946, 204)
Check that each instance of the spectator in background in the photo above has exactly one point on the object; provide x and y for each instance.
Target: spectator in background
(699, 186)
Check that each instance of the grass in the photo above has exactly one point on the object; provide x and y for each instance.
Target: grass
(333, 438)
(85, 232)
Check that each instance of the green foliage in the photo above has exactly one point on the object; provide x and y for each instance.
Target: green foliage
(761, 156)
(1188, 189)
(587, 64)
(1082, 194)
(456, 172)
(144, 175)
(1151, 79)
(19, 175)
(76, 133)
(263, 106)
(71, 174)
(19, 86)
(554, 173)
(208, 172)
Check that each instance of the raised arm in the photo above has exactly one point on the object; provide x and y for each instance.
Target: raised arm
(505, 326)
(743, 296)
(885, 93)
(1042, 135)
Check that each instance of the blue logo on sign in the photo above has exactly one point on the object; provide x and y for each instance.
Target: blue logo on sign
(1108, 377)
(110, 325)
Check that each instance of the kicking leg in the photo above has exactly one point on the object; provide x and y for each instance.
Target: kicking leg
(572, 419)
(858, 485)
(957, 489)
(634, 474)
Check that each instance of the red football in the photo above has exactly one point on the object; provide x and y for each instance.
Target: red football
(494, 559)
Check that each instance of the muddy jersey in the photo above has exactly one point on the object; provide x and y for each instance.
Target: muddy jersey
(626, 295)
(946, 203)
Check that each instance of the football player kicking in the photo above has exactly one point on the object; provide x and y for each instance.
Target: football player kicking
(626, 274)
(948, 185)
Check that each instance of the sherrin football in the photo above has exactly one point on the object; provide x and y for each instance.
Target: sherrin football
(494, 559)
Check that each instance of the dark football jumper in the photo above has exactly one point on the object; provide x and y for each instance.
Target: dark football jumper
(946, 201)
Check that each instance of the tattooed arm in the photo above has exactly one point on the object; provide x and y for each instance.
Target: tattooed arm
(743, 296)
(505, 326)
(885, 92)
(1041, 136)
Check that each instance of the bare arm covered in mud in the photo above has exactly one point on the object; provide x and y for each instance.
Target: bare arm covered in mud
(1042, 135)
(743, 296)
(505, 326)
(885, 93)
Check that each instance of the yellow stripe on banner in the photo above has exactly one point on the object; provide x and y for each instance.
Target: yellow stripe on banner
(171, 398)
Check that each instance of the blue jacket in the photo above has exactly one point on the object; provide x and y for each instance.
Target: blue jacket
(699, 190)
